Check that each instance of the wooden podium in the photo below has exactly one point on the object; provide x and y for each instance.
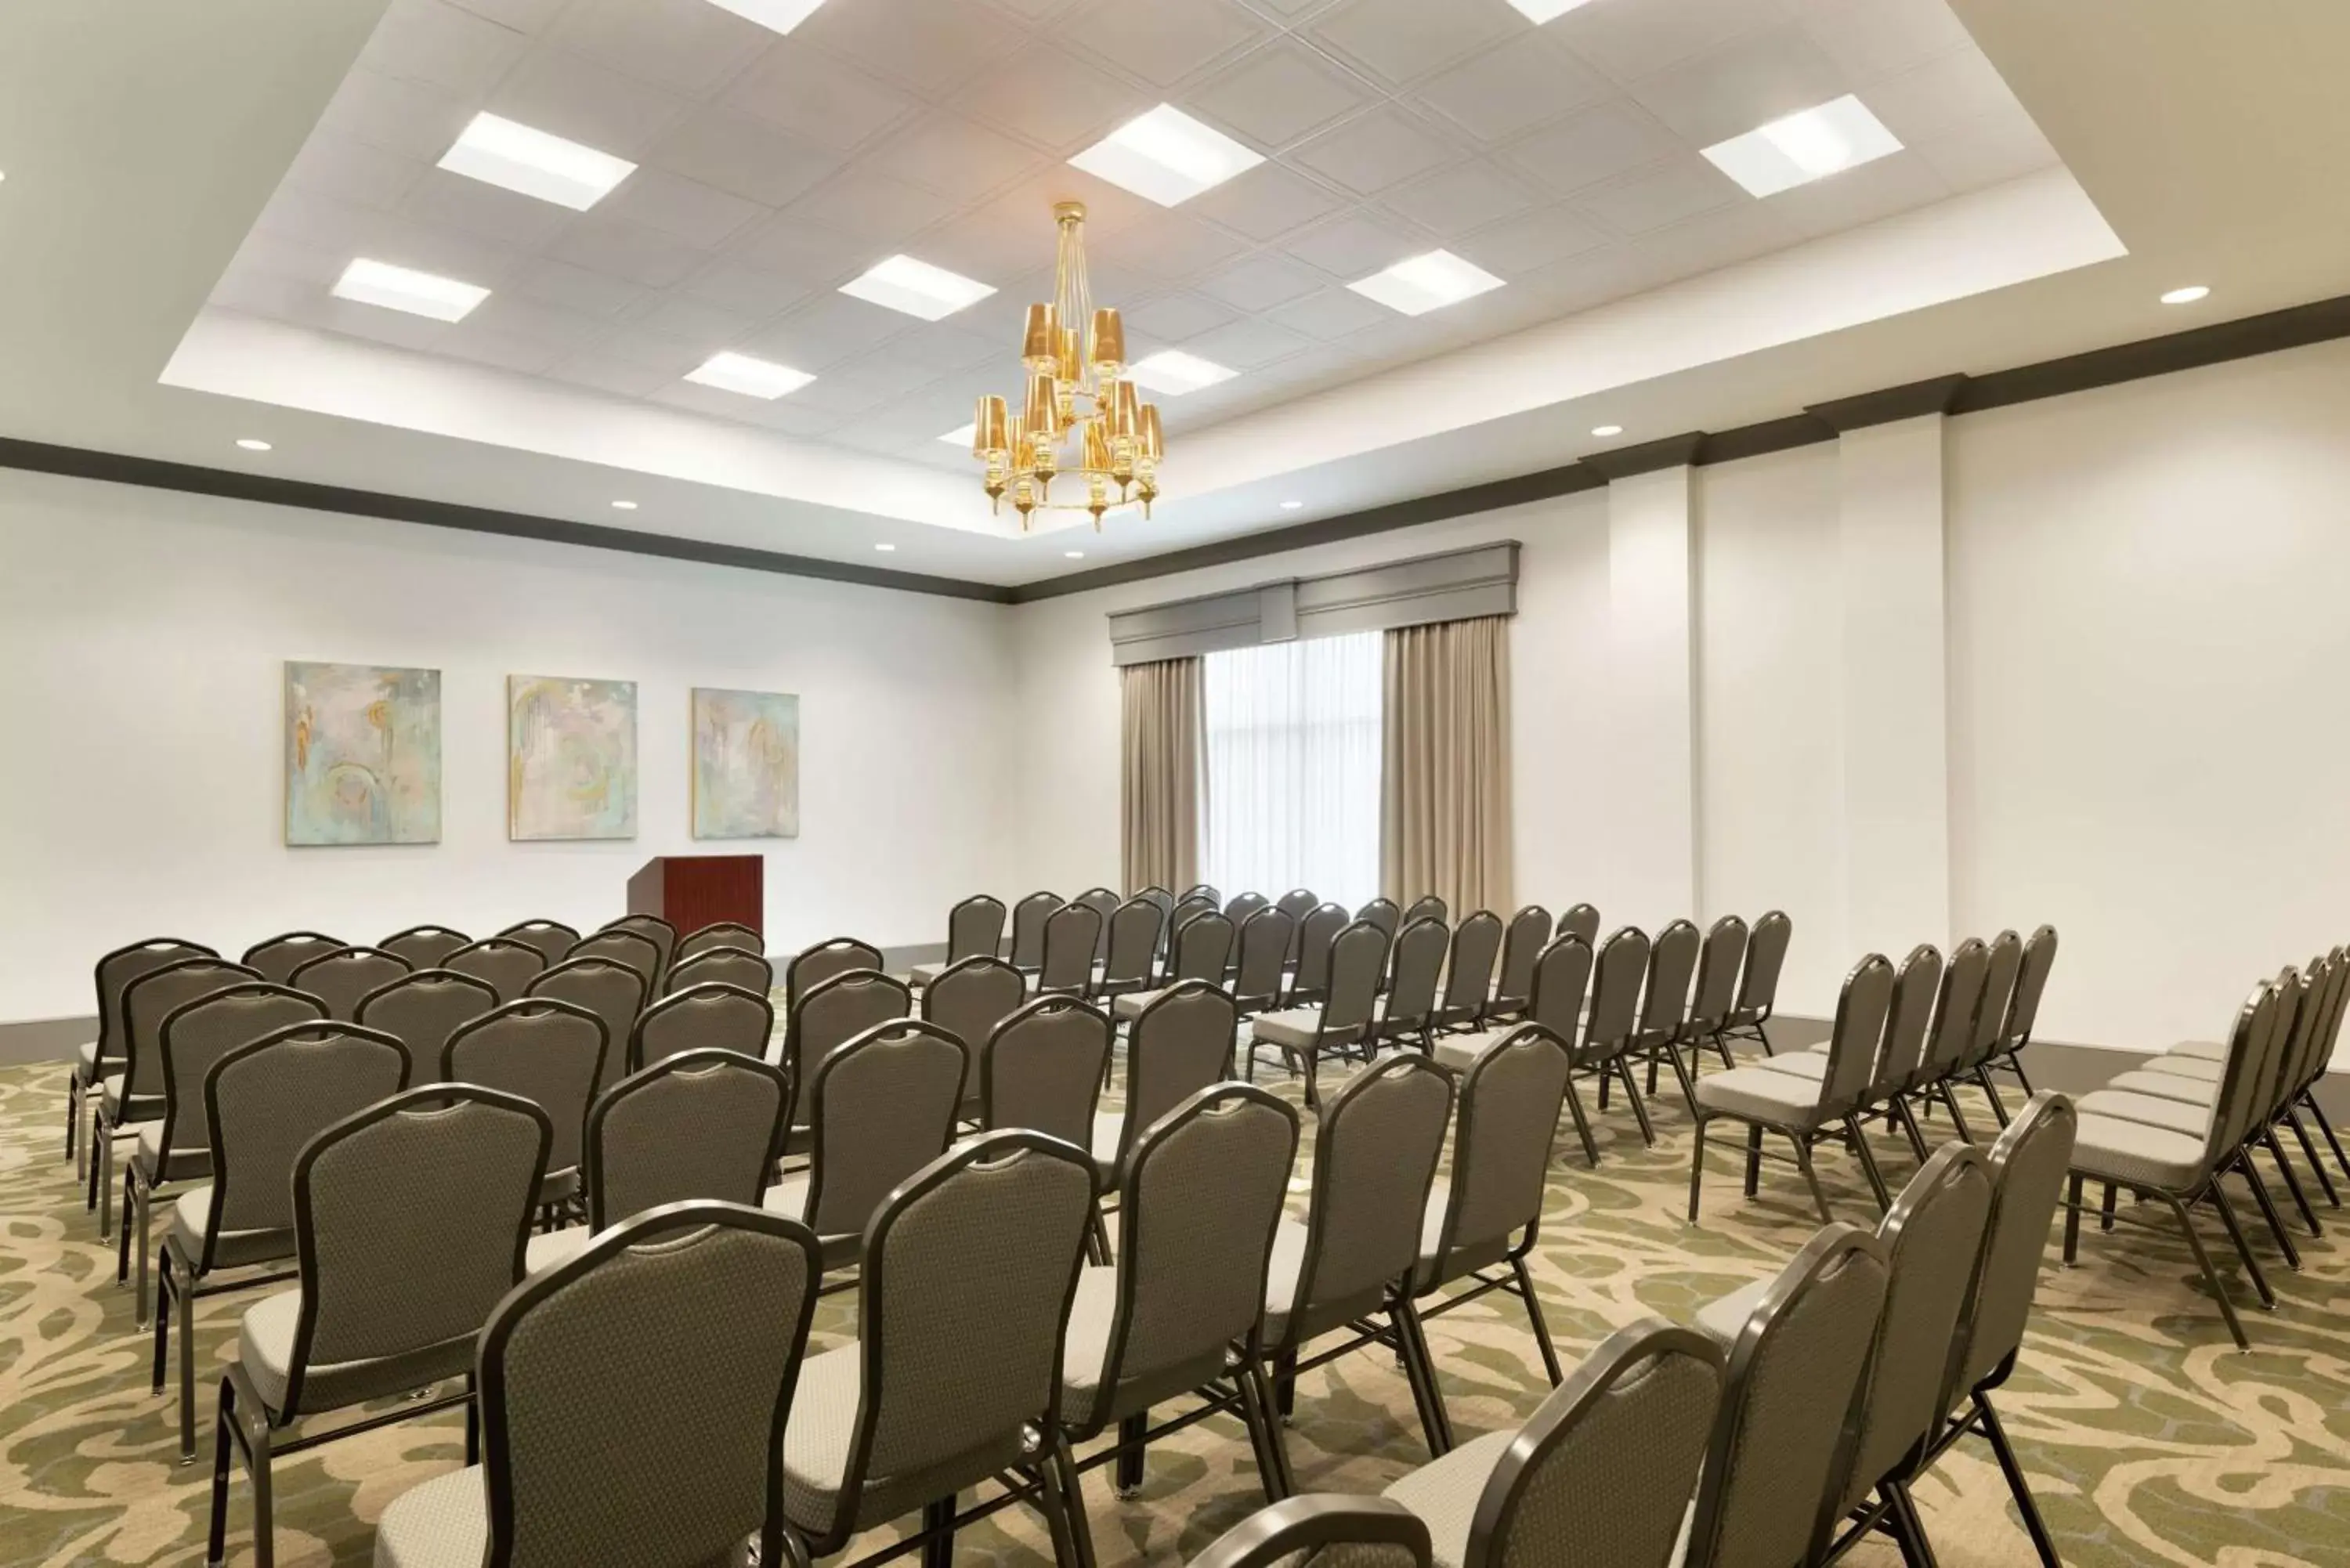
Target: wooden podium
(691, 891)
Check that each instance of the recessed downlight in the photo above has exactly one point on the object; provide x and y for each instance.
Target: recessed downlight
(404, 288)
(1075, 555)
(1291, 506)
(752, 378)
(2187, 295)
(1166, 156)
(885, 549)
(1803, 147)
(514, 157)
(1603, 431)
(252, 443)
(624, 506)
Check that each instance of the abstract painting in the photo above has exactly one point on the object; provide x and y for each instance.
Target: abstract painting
(362, 754)
(746, 764)
(571, 758)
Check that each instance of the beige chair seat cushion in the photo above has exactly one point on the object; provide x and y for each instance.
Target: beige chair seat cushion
(1281, 1276)
(265, 1346)
(2172, 1116)
(1086, 1348)
(444, 1523)
(1128, 1005)
(2109, 1149)
(1459, 1052)
(109, 1091)
(191, 1213)
(924, 973)
(1108, 1127)
(1444, 1493)
(264, 1340)
(545, 1251)
(86, 1060)
(788, 1196)
(2168, 1087)
(1808, 1064)
(816, 1438)
(2191, 1067)
(186, 1164)
(1293, 1030)
(1724, 1316)
(2200, 1050)
(1759, 1094)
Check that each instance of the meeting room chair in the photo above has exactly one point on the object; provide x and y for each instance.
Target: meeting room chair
(276, 959)
(1664, 1004)
(342, 977)
(974, 930)
(1522, 942)
(968, 1000)
(1562, 979)
(1428, 906)
(1382, 913)
(553, 939)
(632, 946)
(828, 1016)
(1241, 906)
(1581, 920)
(812, 966)
(102, 1057)
(1297, 903)
(1310, 980)
(550, 1053)
(718, 934)
(1028, 918)
(1620, 970)
(508, 965)
(1363, 1531)
(654, 929)
(1341, 1025)
(1129, 961)
(1999, 995)
(725, 1017)
(1468, 971)
(1950, 1034)
(1261, 971)
(1715, 993)
(1104, 904)
(410, 1220)
(1180, 1043)
(1758, 981)
(726, 965)
(1042, 1069)
(586, 1441)
(134, 1093)
(1203, 890)
(264, 1102)
(425, 946)
(612, 991)
(1073, 935)
(1406, 1014)
(423, 1007)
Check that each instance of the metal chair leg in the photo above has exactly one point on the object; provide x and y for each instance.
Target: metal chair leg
(2325, 1126)
(2252, 1175)
(1812, 1177)
(1868, 1157)
(1697, 1167)
(1957, 1117)
(2210, 1274)
(1535, 1318)
(1284, 1479)
(2018, 1486)
(1753, 1159)
(2243, 1249)
(939, 1532)
(1908, 1529)
(1990, 1093)
(1064, 1466)
(2301, 1131)
(1582, 1124)
(1639, 1107)
(1902, 1113)
(2291, 1182)
(1261, 1437)
(1419, 1370)
(2072, 1183)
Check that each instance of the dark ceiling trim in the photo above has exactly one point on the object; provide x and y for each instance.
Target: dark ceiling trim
(1646, 457)
(1939, 395)
(152, 474)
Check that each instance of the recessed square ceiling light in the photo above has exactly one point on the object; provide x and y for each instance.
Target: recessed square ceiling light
(1172, 372)
(775, 16)
(752, 378)
(502, 152)
(962, 435)
(1167, 156)
(1541, 11)
(1805, 147)
(1423, 282)
(399, 288)
(917, 287)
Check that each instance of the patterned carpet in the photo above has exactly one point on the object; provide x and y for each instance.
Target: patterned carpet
(2149, 1439)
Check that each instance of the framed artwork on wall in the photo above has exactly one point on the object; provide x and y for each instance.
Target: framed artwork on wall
(571, 758)
(746, 764)
(362, 754)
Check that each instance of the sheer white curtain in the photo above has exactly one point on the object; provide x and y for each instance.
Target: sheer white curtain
(1294, 749)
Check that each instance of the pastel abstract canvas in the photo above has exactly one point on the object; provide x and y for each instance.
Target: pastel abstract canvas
(571, 758)
(362, 754)
(746, 764)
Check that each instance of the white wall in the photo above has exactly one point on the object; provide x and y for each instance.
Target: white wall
(141, 790)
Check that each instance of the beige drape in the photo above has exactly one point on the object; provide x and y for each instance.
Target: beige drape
(1444, 794)
(1163, 756)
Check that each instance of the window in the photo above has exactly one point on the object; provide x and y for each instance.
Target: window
(1293, 797)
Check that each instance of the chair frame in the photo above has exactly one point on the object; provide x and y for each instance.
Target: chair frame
(1329, 1041)
(78, 1088)
(634, 1061)
(842, 1248)
(1761, 1009)
(592, 1145)
(426, 929)
(1300, 1527)
(331, 943)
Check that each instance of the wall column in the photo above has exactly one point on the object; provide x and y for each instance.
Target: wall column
(1647, 758)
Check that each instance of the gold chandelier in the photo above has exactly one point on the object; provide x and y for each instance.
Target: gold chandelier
(1078, 396)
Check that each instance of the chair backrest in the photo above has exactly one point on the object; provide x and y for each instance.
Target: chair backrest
(276, 958)
(986, 1241)
(1998, 991)
(1103, 903)
(1419, 966)
(1043, 1069)
(2031, 984)
(1603, 1472)
(725, 966)
(1297, 903)
(1795, 1370)
(653, 929)
(881, 1107)
(1203, 948)
(1164, 901)
(975, 928)
(1203, 890)
(1375, 1157)
(588, 1440)
(410, 1220)
(1766, 955)
(1132, 945)
(1621, 965)
(1469, 966)
(1182, 1043)
(553, 939)
(1717, 976)
(700, 1124)
(969, 1001)
(719, 934)
(1382, 913)
(1028, 918)
(631, 946)
(425, 946)
(612, 991)
(1903, 1048)
(1957, 998)
(265, 1100)
(1510, 1100)
(829, 1015)
(1266, 938)
(723, 1017)
(2249, 1067)
(1243, 905)
(1428, 906)
(1358, 959)
(811, 967)
(2027, 1171)
(550, 1053)
(1582, 920)
(423, 1007)
(1672, 960)
(508, 965)
(2317, 1051)
(2299, 996)
(1316, 932)
(115, 972)
(1854, 1039)
(1933, 1239)
(198, 1033)
(1528, 935)
(342, 977)
(1202, 1198)
(1562, 978)
(1072, 934)
(153, 996)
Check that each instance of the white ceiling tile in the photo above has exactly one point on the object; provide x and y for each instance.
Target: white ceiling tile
(403, 240)
(1878, 37)
(1331, 313)
(484, 347)
(1749, 81)
(1597, 144)
(353, 171)
(788, 416)
(691, 46)
(1402, 40)
(1522, 82)
(1374, 150)
(397, 327)
(1876, 189)
(685, 209)
(1276, 94)
(841, 399)
(709, 328)
(264, 294)
(1260, 283)
(994, 241)
(435, 43)
(817, 98)
(569, 95)
(1948, 91)
(490, 210)
(522, 16)
(267, 254)
(1987, 150)
(1454, 200)
(747, 290)
(1165, 41)
(870, 207)
(877, 373)
(1630, 41)
(1266, 203)
(1682, 188)
(715, 402)
(609, 373)
(742, 158)
(1176, 316)
(930, 46)
(1053, 99)
(1536, 240)
(1171, 246)
(1247, 343)
(415, 119)
(560, 283)
(938, 349)
(625, 251)
(827, 329)
(1355, 246)
(792, 247)
(511, 313)
(643, 346)
(1722, 237)
(946, 153)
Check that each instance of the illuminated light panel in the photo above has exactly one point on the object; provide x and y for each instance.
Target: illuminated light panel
(741, 373)
(392, 287)
(1166, 156)
(516, 158)
(1172, 372)
(1541, 11)
(1430, 281)
(962, 435)
(775, 16)
(917, 287)
(2187, 295)
(1804, 147)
